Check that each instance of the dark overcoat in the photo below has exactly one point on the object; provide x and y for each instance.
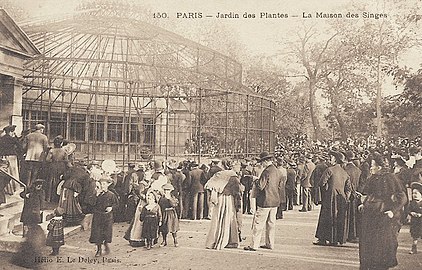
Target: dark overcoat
(336, 188)
(378, 237)
(354, 173)
(31, 213)
(316, 180)
(102, 222)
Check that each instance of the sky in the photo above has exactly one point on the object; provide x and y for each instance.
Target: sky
(257, 36)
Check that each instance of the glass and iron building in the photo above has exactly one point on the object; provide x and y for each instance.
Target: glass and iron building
(124, 89)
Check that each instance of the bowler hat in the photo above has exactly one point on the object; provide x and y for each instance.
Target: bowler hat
(194, 164)
(264, 156)
(9, 128)
(339, 157)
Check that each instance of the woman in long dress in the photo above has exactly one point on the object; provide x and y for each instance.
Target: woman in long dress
(226, 197)
(133, 233)
(381, 211)
(57, 160)
(69, 196)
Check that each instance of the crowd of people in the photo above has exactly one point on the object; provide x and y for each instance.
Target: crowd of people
(366, 189)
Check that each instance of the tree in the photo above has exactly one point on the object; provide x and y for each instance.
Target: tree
(313, 50)
(403, 111)
(292, 105)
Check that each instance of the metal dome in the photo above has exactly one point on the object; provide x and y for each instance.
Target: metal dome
(106, 79)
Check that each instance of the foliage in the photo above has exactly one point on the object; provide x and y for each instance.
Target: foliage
(403, 111)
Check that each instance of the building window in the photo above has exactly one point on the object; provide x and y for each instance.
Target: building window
(77, 127)
(134, 128)
(114, 129)
(58, 123)
(149, 132)
(96, 128)
(31, 118)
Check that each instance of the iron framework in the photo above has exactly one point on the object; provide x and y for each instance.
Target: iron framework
(125, 89)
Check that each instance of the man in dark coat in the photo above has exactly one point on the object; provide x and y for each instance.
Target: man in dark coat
(305, 183)
(336, 189)
(354, 173)
(290, 184)
(246, 180)
(268, 187)
(283, 171)
(198, 180)
(124, 185)
(320, 168)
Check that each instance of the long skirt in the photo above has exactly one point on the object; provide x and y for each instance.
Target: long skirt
(102, 228)
(133, 233)
(72, 209)
(378, 240)
(224, 227)
(55, 170)
(170, 221)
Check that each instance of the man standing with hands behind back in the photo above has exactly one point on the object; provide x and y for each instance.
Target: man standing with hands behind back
(267, 200)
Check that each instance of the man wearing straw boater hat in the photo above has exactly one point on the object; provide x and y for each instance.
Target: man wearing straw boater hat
(267, 200)
(35, 144)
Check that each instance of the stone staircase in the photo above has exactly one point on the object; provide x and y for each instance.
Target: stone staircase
(11, 229)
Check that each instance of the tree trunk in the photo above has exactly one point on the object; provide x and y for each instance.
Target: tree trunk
(336, 112)
(313, 110)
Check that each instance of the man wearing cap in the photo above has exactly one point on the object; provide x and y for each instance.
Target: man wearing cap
(268, 188)
(336, 189)
(10, 149)
(36, 146)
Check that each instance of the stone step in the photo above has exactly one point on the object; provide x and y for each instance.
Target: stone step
(10, 202)
(10, 216)
(11, 242)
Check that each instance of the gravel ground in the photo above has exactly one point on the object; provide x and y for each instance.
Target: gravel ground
(293, 250)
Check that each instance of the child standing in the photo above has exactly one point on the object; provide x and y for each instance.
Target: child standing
(33, 205)
(415, 212)
(55, 236)
(151, 218)
(102, 218)
(168, 204)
